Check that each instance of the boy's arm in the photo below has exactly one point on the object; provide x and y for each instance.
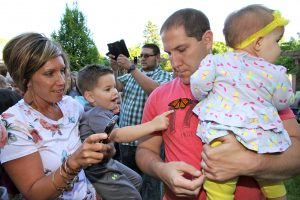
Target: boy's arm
(131, 133)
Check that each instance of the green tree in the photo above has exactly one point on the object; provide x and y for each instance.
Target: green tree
(220, 47)
(135, 51)
(104, 60)
(151, 34)
(3, 42)
(165, 62)
(287, 61)
(75, 38)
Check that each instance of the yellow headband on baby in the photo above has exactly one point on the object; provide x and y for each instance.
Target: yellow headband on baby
(277, 22)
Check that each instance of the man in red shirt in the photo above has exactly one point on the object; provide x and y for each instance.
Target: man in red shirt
(187, 38)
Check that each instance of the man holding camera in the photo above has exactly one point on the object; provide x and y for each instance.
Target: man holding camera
(136, 86)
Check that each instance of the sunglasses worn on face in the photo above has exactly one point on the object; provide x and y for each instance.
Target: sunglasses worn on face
(146, 56)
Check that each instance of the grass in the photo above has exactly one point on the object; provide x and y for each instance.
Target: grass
(293, 188)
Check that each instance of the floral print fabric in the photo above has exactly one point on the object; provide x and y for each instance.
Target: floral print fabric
(28, 131)
(242, 93)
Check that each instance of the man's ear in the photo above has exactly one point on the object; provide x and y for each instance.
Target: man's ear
(258, 43)
(88, 95)
(158, 58)
(207, 37)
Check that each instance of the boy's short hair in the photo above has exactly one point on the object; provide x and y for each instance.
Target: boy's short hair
(88, 76)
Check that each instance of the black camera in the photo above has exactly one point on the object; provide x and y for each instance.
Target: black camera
(117, 48)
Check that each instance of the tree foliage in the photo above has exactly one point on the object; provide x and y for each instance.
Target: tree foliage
(104, 60)
(135, 51)
(3, 42)
(151, 34)
(165, 63)
(287, 61)
(220, 47)
(75, 38)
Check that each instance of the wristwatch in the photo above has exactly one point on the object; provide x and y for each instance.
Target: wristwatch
(131, 68)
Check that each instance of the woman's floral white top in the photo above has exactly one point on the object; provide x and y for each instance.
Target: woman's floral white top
(29, 131)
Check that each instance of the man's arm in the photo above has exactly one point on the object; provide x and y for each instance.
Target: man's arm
(171, 173)
(286, 164)
(148, 154)
(231, 159)
(146, 83)
(115, 68)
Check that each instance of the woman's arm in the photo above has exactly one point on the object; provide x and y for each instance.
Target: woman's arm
(28, 175)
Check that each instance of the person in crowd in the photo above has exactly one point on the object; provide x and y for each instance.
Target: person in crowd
(111, 179)
(41, 148)
(3, 82)
(187, 38)
(240, 92)
(135, 86)
(73, 90)
(12, 85)
(8, 99)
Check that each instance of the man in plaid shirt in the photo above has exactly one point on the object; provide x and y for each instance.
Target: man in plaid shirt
(136, 86)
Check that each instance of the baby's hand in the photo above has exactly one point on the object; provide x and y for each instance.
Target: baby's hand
(161, 122)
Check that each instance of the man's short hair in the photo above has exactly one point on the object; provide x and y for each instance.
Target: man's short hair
(194, 22)
(154, 47)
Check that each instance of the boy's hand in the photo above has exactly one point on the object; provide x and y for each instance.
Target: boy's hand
(161, 122)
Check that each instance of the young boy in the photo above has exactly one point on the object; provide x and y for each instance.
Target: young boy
(111, 179)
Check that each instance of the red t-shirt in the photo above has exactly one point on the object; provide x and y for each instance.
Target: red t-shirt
(180, 140)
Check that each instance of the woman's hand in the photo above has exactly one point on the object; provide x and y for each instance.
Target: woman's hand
(91, 152)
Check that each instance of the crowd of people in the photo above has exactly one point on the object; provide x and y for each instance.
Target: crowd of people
(218, 118)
